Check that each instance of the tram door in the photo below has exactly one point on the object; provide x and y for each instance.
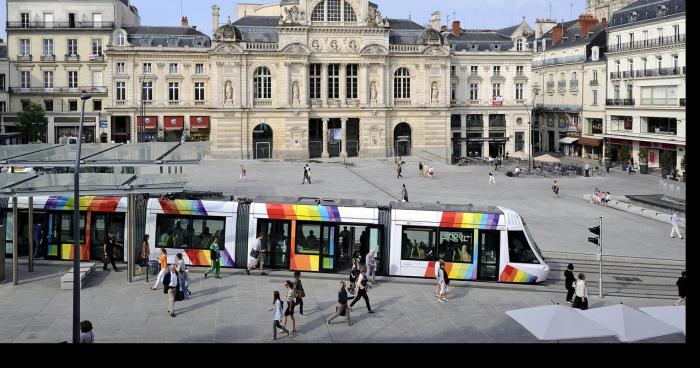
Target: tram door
(100, 224)
(329, 245)
(489, 247)
(276, 241)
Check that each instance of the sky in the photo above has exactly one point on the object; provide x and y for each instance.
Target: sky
(489, 14)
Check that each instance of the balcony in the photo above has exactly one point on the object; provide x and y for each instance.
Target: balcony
(573, 84)
(200, 103)
(72, 58)
(615, 75)
(96, 58)
(558, 108)
(262, 102)
(593, 82)
(619, 102)
(173, 103)
(57, 90)
(556, 61)
(315, 102)
(147, 102)
(352, 102)
(402, 102)
(404, 48)
(645, 44)
(48, 58)
(120, 103)
(24, 57)
(659, 72)
(671, 102)
(262, 46)
(60, 25)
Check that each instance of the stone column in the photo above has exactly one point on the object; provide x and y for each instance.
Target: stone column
(463, 132)
(324, 84)
(362, 84)
(304, 86)
(381, 95)
(343, 80)
(324, 153)
(343, 137)
(485, 150)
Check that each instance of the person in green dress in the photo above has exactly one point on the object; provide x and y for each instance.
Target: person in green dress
(215, 259)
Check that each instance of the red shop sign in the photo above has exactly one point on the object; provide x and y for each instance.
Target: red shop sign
(199, 122)
(148, 122)
(174, 122)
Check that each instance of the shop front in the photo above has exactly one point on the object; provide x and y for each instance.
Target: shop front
(591, 147)
(657, 150)
(67, 126)
(199, 128)
(174, 127)
(148, 128)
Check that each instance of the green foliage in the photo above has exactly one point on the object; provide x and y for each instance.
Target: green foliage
(666, 159)
(32, 123)
(625, 153)
(608, 151)
(643, 156)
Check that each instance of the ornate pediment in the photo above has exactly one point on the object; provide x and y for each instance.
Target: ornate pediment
(436, 51)
(374, 50)
(227, 48)
(296, 49)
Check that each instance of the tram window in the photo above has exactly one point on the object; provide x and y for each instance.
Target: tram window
(519, 250)
(456, 245)
(67, 228)
(532, 240)
(418, 244)
(204, 231)
(308, 239)
(173, 231)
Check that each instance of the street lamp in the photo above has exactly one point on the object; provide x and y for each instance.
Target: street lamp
(84, 96)
(529, 123)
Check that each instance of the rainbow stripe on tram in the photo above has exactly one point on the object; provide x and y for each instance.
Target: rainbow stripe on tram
(303, 212)
(183, 207)
(512, 274)
(87, 203)
(488, 221)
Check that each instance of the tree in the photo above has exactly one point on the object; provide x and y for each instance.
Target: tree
(643, 156)
(32, 123)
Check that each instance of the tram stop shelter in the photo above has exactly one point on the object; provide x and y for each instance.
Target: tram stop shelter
(44, 180)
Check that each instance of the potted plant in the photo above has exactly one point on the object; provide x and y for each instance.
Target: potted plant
(683, 167)
(625, 154)
(643, 157)
(608, 156)
(665, 160)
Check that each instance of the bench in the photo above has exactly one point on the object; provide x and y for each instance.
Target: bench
(86, 268)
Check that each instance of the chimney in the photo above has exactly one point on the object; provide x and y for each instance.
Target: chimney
(184, 22)
(557, 34)
(605, 23)
(586, 22)
(215, 17)
(456, 29)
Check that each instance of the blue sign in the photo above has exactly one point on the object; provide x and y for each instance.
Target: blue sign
(103, 123)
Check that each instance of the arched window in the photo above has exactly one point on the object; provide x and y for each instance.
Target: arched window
(319, 12)
(519, 45)
(402, 83)
(349, 13)
(333, 11)
(262, 83)
(121, 39)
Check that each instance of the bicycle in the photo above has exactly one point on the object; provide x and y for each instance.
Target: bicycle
(598, 172)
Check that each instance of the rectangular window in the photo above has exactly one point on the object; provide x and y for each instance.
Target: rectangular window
(645, 38)
(199, 91)
(619, 41)
(676, 33)
(631, 36)
(629, 91)
(25, 104)
(72, 47)
(199, 69)
(67, 227)
(97, 19)
(496, 90)
(173, 91)
(456, 246)
(660, 95)
(621, 123)
(418, 244)
(660, 35)
(658, 125)
(147, 68)
(120, 68)
(72, 106)
(659, 62)
(519, 91)
(351, 81)
(48, 105)
(595, 97)
(315, 81)
(519, 141)
(48, 79)
(453, 92)
(96, 105)
(474, 91)
(173, 231)
(333, 81)
(173, 68)
(675, 64)
(97, 78)
(48, 20)
(25, 47)
(72, 79)
(147, 91)
(631, 65)
(308, 239)
(333, 10)
(616, 93)
(595, 75)
(121, 91)
(48, 47)
(25, 20)
(519, 250)
(97, 47)
(204, 230)
(25, 80)
(496, 70)
(519, 70)
(2, 82)
(474, 70)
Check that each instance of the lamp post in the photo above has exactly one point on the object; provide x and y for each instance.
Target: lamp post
(529, 123)
(84, 96)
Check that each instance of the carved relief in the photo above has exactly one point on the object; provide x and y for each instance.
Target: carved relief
(334, 45)
(374, 50)
(353, 45)
(316, 45)
(296, 49)
(227, 49)
(295, 92)
(373, 91)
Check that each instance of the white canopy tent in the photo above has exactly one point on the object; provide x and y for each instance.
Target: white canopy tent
(673, 315)
(557, 322)
(548, 159)
(630, 324)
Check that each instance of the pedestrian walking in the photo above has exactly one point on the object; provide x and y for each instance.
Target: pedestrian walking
(37, 235)
(109, 252)
(244, 174)
(308, 174)
(587, 169)
(215, 259)
(145, 253)
(163, 267)
(398, 171)
(289, 312)
(682, 284)
(420, 169)
(569, 282)
(431, 172)
(354, 271)
(437, 277)
(256, 256)
(444, 279)
(674, 225)
(299, 292)
(555, 189)
(170, 287)
(404, 194)
(371, 264)
(342, 308)
(277, 316)
(87, 336)
(184, 275)
(581, 299)
(492, 179)
(361, 287)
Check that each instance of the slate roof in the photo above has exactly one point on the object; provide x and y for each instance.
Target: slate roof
(405, 24)
(508, 30)
(163, 31)
(162, 36)
(646, 10)
(573, 34)
(481, 39)
(257, 21)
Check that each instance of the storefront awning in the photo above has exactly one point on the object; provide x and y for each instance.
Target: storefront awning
(568, 140)
(590, 141)
(148, 122)
(174, 122)
(199, 122)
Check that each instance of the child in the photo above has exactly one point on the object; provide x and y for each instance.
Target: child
(277, 307)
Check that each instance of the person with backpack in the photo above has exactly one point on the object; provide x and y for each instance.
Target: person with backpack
(569, 282)
(277, 316)
(355, 271)
(289, 312)
(163, 267)
(342, 308)
(184, 275)
(299, 291)
(444, 282)
(362, 290)
(215, 259)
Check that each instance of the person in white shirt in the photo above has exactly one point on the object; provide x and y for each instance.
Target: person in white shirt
(256, 256)
(674, 223)
(170, 282)
(581, 299)
(492, 179)
(437, 277)
(371, 264)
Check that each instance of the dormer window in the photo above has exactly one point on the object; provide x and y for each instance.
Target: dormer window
(475, 47)
(519, 45)
(172, 42)
(633, 16)
(661, 10)
(121, 39)
(199, 42)
(146, 41)
(333, 11)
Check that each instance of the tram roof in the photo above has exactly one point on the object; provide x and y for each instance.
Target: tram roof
(19, 185)
(104, 154)
(317, 201)
(461, 208)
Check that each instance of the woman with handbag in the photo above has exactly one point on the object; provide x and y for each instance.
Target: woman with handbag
(299, 290)
(277, 307)
(290, 307)
(581, 299)
(145, 253)
(184, 276)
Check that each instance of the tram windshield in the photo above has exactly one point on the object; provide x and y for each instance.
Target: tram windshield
(532, 240)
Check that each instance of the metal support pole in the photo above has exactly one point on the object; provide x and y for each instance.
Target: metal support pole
(3, 237)
(131, 257)
(15, 241)
(600, 271)
(31, 234)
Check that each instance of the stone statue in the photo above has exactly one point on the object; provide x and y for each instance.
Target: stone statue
(374, 17)
(228, 91)
(373, 91)
(292, 15)
(434, 92)
(353, 45)
(334, 45)
(295, 91)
